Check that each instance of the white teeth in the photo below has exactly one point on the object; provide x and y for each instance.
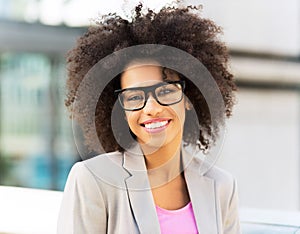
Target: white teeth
(156, 124)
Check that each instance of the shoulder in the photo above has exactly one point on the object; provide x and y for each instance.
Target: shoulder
(205, 169)
(225, 183)
(219, 175)
(106, 167)
(83, 207)
(227, 193)
(97, 162)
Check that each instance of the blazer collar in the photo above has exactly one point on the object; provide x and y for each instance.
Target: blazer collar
(201, 191)
(139, 191)
(202, 194)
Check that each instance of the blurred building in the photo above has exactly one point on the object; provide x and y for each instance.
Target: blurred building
(262, 142)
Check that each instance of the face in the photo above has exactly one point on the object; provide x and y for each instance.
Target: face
(155, 125)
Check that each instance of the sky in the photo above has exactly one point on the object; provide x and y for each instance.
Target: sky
(80, 12)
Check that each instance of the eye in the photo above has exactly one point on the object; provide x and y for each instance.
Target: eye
(165, 91)
(133, 98)
(168, 89)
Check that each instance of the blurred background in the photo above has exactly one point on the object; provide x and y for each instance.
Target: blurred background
(262, 144)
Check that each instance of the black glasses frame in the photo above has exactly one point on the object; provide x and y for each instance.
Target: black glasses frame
(150, 89)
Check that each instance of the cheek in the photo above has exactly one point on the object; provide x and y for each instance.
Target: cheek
(179, 111)
(131, 118)
(182, 117)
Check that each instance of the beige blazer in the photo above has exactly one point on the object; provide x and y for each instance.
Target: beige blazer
(110, 193)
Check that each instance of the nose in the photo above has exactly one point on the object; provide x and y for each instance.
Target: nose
(152, 107)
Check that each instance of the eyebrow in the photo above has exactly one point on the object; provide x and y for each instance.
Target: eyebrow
(148, 88)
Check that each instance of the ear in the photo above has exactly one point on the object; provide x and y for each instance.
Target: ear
(187, 104)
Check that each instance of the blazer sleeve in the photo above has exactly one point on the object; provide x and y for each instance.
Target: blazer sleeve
(83, 208)
(232, 223)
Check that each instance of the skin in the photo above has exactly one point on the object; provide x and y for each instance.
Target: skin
(161, 149)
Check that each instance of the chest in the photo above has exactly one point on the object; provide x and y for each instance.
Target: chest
(173, 195)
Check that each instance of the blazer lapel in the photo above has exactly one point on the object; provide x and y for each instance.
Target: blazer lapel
(201, 190)
(202, 194)
(139, 192)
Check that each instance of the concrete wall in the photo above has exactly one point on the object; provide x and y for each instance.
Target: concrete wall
(262, 146)
(262, 149)
(268, 26)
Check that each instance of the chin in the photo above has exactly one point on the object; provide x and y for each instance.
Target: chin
(156, 142)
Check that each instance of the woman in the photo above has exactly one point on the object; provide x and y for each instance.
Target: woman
(144, 106)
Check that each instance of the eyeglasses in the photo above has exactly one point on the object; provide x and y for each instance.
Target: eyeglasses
(165, 93)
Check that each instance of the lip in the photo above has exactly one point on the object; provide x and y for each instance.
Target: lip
(158, 129)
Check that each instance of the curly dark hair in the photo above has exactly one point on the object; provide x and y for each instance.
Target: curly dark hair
(181, 28)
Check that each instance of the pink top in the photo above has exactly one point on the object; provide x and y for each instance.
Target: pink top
(177, 221)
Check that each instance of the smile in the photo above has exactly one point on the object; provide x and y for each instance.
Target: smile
(154, 126)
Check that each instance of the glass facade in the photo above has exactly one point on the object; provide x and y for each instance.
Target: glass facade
(36, 144)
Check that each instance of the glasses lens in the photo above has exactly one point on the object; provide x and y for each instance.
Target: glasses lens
(169, 93)
(132, 99)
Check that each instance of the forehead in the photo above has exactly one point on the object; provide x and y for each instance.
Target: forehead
(144, 74)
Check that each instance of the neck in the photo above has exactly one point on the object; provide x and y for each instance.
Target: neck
(156, 157)
(163, 164)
